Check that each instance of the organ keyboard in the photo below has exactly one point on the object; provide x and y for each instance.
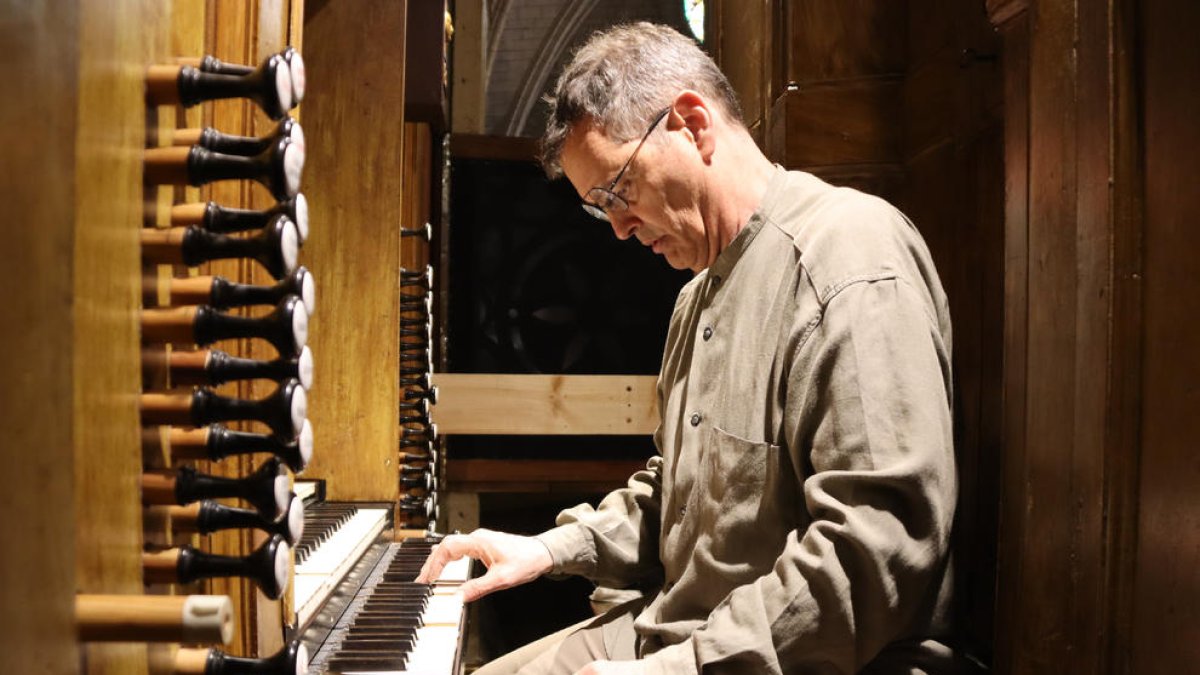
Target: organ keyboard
(335, 536)
(394, 626)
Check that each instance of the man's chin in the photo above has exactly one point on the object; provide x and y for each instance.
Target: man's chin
(675, 262)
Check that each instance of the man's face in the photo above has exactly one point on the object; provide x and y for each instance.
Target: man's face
(662, 186)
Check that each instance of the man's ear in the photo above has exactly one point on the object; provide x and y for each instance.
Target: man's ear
(691, 113)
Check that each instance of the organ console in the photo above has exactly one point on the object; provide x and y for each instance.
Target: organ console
(244, 146)
(191, 619)
(223, 219)
(214, 367)
(208, 516)
(291, 660)
(286, 328)
(267, 566)
(215, 443)
(183, 312)
(285, 410)
(269, 85)
(266, 489)
(278, 167)
(220, 293)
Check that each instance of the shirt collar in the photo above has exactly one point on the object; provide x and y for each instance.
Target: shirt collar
(729, 257)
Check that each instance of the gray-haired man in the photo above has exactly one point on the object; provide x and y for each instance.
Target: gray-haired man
(798, 517)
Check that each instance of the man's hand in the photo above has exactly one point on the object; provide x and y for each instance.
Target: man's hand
(511, 560)
(612, 668)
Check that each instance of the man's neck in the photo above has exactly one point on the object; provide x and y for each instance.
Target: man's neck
(739, 182)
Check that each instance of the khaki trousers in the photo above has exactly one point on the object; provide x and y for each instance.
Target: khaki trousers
(609, 636)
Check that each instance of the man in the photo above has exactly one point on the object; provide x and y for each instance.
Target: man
(798, 518)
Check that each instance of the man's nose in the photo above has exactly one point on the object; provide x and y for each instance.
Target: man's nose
(623, 224)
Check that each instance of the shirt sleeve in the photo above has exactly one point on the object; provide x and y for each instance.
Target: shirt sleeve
(615, 544)
(867, 417)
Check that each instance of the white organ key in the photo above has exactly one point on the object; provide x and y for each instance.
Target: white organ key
(455, 571)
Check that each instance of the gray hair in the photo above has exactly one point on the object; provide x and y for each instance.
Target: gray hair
(621, 77)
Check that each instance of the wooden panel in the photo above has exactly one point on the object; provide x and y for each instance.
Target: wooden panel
(1000, 12)
(545, 404)
(1168, 549)
(1016, 300)
(1044, 633)
(511, 148)
(505, 475)
(353, 178)
(111, 134)
(468, 105)
(740, 44)
(425, 87)
(39, 46)
(852, 123)
(1072, 342)
(837, 39)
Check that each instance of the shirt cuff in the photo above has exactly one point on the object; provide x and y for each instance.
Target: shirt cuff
(672, 660)
(571, 549)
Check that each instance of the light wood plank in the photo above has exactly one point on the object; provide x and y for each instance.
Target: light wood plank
(545, 404)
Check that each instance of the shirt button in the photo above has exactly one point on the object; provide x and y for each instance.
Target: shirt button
(696, 419)
(716, 280)
(682, 510)
(708, 331)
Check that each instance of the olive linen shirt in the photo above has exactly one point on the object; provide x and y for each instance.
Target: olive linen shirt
(798, 518)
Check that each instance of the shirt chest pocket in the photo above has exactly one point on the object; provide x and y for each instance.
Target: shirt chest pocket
(739, 500)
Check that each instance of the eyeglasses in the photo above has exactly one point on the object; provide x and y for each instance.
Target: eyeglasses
(600, 201)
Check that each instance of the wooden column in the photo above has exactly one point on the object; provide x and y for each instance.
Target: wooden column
(1073, 341)
(1165, 620)
(39, 44)
(354, 180)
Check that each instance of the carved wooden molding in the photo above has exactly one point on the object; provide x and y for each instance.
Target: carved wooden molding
(1001, 12)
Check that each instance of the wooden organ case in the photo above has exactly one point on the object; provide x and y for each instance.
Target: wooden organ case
(97, 367)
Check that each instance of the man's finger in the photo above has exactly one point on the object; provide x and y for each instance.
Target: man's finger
(475, 589)
(433, 564)
(453, 547)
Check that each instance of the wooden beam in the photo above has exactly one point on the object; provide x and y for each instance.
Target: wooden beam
(545, 404)
(573, 475)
